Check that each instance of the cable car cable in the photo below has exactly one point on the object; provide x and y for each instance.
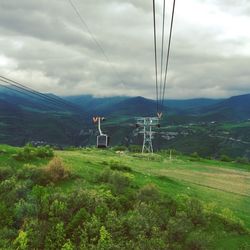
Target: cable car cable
(155, 54)
(168, 52)
(57, 101)
(101, 49)
(162, 45)
(26, 94)
(24, 91)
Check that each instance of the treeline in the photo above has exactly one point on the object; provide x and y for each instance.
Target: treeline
(116, 213)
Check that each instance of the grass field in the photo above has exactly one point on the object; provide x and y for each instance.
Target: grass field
(219, 185)
(225, 184)
(222, 185)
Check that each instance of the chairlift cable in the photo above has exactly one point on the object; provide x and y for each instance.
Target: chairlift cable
(162, 45)
(155, 54)
(26, 94)
(101, 49)
(168, 53)
(57, 101)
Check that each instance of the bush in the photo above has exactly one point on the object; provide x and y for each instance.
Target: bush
(120, 148)
(30, 153)
(116, 165)
(44, 152)
(149, 193)
(118, 180)
(225, 158)
(195, 156)
(134, 148)
(56, 171)
(5, 173)
(197, 240)
(195, 211)
(232, 222)
(242, 160)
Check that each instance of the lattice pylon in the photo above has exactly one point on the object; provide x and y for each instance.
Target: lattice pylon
(147, 140)
(147, 123)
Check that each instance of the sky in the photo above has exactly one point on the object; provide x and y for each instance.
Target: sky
(44, 45)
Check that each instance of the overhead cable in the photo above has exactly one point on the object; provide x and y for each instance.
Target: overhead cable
(168, 52)
(58, 101)
(155, 54)
(101, 49)
(162, 45)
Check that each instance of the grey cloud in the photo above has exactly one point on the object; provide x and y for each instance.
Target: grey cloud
(57, 54)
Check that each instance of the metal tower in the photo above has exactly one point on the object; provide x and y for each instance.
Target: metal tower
(147, 123)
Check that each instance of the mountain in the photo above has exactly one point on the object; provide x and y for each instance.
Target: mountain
(206, 126)
(25, 117)
(191, 103)
(94, 104)
(236, 108)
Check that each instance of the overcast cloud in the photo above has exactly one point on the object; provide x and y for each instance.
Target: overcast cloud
(44, 45)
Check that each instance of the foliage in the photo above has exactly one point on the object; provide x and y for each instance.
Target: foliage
(119, 181)
(149, 193)
(116, 165)
(134, 148)
(195, 156)
(120, 148)
(29, 153)
(56, 171)
(21, 242)
(242, 160)
(225, 158)
(43, 208)
(105, 241)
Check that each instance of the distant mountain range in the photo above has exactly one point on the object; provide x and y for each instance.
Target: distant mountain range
(208, 126)
(236, 108)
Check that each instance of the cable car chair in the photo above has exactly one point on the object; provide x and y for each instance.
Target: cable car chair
(102, 140)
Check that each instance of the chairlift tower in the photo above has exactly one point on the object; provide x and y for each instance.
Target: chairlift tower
(147, 123)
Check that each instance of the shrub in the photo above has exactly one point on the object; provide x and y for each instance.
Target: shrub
(116, 165)
(197, 240)
(134, 148)
(195, 156)
(195, 211)
(56, 170)
(231, 221)
(242, 160)
(120, 148)
(44, 152)
(2, 152)
(30, 153)
(118, 180)
(225, 158)
(149, 193)
(5, 173)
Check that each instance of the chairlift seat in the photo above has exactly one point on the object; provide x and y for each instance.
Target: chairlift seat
(102, 141)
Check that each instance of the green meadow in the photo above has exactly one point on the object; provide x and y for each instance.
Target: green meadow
(107, 199)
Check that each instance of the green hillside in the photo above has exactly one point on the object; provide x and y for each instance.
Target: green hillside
(92, 199)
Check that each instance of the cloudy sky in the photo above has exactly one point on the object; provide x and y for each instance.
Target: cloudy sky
(44, 45)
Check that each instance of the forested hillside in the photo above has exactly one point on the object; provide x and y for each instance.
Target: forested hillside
(212, 128)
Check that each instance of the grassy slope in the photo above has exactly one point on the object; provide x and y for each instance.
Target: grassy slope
(225, 184)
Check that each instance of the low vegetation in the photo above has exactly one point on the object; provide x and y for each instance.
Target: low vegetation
(29, 153)
(100, 200)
